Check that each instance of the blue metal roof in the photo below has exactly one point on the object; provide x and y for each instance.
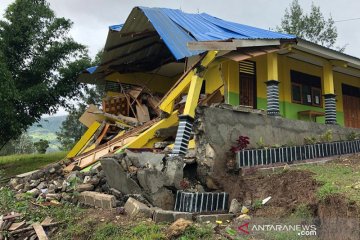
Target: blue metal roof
(177, 28)
(91, 69)
(116, 28)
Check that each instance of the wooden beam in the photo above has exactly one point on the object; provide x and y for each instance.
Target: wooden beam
(211, 45)
(232, 45)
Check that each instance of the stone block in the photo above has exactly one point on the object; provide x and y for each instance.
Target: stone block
(161, 215)
(137, 209)
(96, 199)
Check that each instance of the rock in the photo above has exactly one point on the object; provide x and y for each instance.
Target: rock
(51, 188)
(58, 185)
(177, 228)
(74, 176)
(52, 170)
(65, 185)
(94, 180)
(34, 183)
(235, 206)
(66, 197)
(117, 178)
(34, 192)
(19, 186)
(174, 172)
(161, 215)
(199, 188)
(14, 182)
(137, 209)
(151, 180)
(163, 198)
(116, 193)
(53, 196)
(146, 159)
(161, 144)
(27, 187)
(41, 185)
(84, 187)
(86, 179)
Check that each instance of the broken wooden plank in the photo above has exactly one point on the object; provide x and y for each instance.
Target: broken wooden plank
(46, 221)
(142, 113)
(16, 226)
(88, 118)
(15, 215)
(40, 231)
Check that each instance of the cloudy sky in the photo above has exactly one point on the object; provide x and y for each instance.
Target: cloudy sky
(92, 17)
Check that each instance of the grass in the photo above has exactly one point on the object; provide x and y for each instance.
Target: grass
(335, 178)
(17, 164)
(23, 205)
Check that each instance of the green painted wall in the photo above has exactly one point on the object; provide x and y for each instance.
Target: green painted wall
(290, 110)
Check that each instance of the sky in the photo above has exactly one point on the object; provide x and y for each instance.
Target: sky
(92, 17)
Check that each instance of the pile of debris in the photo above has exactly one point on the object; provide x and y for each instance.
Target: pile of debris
(52, 185)
(12, 226)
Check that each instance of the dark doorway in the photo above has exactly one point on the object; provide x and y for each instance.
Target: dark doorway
(247, 83)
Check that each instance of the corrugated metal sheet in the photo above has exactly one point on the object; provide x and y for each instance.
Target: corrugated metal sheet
(147, 32)
(177, 28)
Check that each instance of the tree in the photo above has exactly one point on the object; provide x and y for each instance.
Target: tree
(39, 65)
(310, 26)
(22, 145)
(41, 146)
(71, 129)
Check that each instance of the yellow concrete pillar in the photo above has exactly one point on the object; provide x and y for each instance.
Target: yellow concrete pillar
(328, 78)
(272, 85)
(193, 95)
(329, 93)
(272, 66)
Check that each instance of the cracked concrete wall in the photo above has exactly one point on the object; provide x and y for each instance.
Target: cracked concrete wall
(216, 130)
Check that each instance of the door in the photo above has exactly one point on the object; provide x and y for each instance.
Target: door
(247, 84)
(351, 105)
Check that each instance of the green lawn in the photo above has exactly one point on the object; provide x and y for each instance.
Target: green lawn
(337, 177)
(17, 164)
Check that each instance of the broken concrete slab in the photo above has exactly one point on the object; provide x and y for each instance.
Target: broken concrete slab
(174, 171)
(151, 180)
(163, 198)
(161, 215)
(137, 209)
(146, 159)
(215, 217)
(96, 199)
(117, 178)
(84, 187)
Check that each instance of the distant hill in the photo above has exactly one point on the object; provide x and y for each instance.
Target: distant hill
(46, 129)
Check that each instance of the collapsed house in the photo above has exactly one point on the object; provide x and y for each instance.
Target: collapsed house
(163, 69)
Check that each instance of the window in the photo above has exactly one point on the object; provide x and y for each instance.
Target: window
(305, 89)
